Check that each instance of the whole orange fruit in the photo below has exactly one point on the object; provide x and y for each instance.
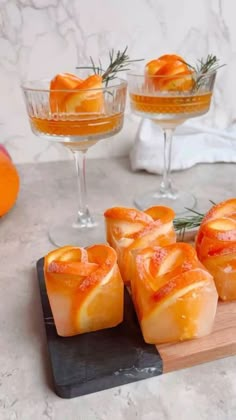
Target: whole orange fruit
(9, 183)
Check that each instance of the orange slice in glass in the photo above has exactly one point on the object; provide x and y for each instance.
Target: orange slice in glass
(87, 99)
(171, 73)
(62, 81)
(76, 95)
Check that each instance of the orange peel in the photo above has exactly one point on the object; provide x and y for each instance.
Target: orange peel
(70, 94)
(170, 73)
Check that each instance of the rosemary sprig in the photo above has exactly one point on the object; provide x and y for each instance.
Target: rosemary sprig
(203, 67)
(211, 63)
(118, 61)
(189, 222)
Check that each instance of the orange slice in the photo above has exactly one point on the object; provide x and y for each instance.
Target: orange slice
(103, 307)
(65, 81)
(171, 57)
(88, 98)
(173, 72)
(130, 214)
(62, 81)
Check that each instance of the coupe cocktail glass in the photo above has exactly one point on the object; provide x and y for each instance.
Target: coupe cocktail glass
(169, 108)
(77, 131)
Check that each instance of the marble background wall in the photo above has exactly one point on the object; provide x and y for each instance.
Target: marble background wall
(39, 38)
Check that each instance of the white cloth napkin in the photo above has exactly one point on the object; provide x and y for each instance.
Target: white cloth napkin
(192, 144)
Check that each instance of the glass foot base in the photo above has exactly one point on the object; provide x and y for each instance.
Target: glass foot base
(178, 200)
(70, 233)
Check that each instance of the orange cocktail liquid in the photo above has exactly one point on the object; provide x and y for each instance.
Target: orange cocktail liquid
(78, 125)
(179, 104)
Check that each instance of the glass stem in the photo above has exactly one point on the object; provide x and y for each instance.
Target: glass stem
(166, 187)
(84, 218)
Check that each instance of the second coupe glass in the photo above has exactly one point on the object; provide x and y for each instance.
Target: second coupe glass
(169, 109)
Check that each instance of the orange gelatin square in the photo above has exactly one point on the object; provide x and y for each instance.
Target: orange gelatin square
(129, 229)
(174, 296)
(85, 289)
(216, 247)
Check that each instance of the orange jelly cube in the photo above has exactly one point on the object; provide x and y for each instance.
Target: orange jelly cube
(216, 247)
(174, 296)
(128, 229)
(84, 288)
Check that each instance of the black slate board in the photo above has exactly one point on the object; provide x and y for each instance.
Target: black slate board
(100, 360)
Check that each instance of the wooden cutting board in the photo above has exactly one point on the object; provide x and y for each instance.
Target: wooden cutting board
(104, 359)
(220, 343)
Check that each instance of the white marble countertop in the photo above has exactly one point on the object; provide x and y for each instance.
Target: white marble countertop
(48, 193)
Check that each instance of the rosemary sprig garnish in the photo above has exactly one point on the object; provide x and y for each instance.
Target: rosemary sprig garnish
(211, 63)
(189, 222)
(203, 67)
(118, 62)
